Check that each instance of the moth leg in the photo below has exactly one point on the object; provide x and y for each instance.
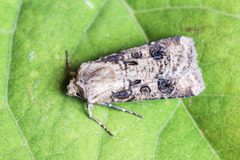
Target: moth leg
(89, 106)
(121, 109)
(71, 72)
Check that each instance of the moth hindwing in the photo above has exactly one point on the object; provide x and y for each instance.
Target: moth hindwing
(158, 70)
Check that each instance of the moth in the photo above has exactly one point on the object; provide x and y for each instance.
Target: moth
(158, 70)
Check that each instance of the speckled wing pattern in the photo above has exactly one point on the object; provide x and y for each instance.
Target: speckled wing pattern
(159, 70)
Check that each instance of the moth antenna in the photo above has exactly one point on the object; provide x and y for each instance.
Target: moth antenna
(89, 106)
(121, 109)
(71, 72)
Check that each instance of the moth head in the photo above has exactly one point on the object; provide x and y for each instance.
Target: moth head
(75, 90)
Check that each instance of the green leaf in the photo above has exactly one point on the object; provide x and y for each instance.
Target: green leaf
(38, 119)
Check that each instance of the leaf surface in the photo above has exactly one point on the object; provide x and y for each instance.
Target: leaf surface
(38, 119)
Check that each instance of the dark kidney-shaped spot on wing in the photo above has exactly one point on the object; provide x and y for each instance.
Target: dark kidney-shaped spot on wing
(165, 86)
(145, 89)
(156, 52)
(122, 94)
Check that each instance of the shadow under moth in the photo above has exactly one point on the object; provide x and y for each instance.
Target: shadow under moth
(158, 70)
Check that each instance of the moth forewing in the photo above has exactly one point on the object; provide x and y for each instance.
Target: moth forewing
(158, 70)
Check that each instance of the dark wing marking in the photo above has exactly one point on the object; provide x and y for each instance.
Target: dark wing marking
(188, 85)
(163, 59)
(167, 69)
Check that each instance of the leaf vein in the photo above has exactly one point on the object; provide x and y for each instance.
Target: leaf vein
(131, 12)
(7, 79)
(188, 7)
(89, 25)
(162, 127)
(195, 124)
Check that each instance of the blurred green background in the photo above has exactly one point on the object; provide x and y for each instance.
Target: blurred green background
(39, 121)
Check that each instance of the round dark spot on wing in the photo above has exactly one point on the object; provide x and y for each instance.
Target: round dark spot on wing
(145, 89)
(137, 54)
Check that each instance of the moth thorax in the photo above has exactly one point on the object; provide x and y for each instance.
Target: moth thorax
(74, 90)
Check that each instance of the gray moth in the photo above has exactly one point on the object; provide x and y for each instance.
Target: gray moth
(161, 69)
